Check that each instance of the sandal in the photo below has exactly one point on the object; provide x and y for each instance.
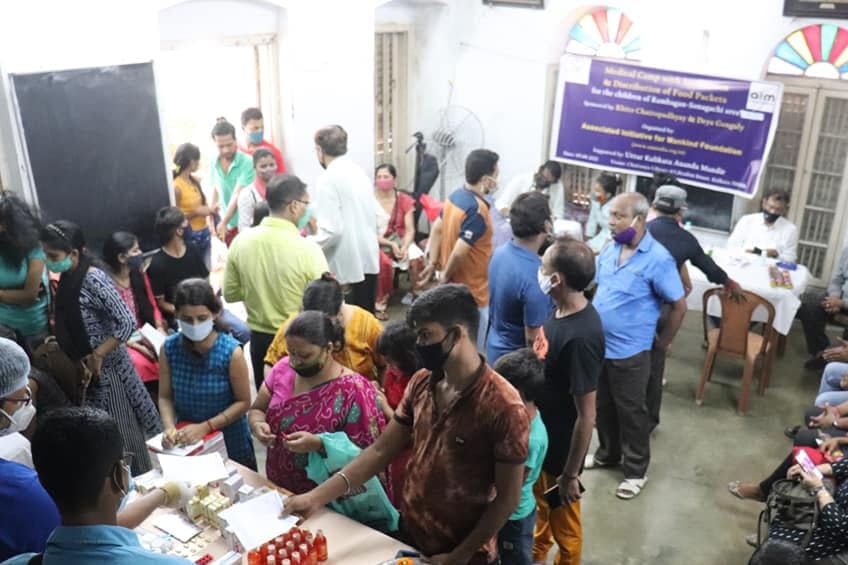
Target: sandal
(381, 315)
(591, 463)
(733, 488)
(630, 488)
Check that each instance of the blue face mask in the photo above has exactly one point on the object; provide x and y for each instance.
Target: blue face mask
(59, 266)
(255, 137)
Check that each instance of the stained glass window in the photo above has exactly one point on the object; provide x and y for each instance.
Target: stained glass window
(818, 51)
(605, 32)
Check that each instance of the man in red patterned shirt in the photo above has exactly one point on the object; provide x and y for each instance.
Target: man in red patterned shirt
(469, 433)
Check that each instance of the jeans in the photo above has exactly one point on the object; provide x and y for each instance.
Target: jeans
(515, 541)
(483, 329)
(201, 241)
(830, 391)
(237, 328)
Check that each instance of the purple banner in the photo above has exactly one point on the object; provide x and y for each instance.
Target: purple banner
(709, 132)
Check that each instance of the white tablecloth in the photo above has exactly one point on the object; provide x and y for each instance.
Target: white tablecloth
(751, 272)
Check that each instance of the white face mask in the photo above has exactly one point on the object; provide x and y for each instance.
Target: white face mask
(197, 332)
(19, 421)
(545, 281)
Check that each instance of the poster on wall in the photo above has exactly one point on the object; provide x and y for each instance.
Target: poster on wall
(708, 131)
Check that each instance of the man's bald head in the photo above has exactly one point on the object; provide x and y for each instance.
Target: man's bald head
(634, 203)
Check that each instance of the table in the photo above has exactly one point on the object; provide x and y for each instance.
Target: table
(349, 542)
(751, 272)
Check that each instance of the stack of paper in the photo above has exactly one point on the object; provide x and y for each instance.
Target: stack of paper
(258, 520)
(197, 470)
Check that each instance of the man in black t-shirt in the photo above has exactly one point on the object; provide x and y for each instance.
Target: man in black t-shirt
(176, 262)
(572, 346)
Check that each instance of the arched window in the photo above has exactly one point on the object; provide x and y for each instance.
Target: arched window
(605, 32)
(817, 51)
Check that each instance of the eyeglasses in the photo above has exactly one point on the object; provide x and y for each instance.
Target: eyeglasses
(304, 202)
(25, 401)
(127, 459)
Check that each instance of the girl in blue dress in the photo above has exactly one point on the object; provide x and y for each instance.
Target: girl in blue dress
(203, 376)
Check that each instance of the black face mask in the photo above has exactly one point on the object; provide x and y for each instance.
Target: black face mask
(770, 218)
(433, 357)
(541, 182)
(309, 371)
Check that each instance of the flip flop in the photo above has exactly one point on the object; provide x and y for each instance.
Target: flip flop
(733, 488)
(630, 488)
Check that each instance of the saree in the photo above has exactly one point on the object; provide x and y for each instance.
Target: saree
(346, 404)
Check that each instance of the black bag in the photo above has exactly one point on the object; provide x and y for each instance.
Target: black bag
(789, 505)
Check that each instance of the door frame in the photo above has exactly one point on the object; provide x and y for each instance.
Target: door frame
(817, 90)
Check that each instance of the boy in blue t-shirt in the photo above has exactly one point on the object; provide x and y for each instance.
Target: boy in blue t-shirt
(526, 372)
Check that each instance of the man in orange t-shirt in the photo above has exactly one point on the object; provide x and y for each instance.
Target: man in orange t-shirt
(462, 250)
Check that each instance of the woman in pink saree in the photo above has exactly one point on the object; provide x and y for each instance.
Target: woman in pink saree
(309, 393)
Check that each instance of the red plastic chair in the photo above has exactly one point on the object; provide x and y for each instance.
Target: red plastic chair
(735, 339)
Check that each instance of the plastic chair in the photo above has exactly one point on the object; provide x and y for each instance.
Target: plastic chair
(735, 339)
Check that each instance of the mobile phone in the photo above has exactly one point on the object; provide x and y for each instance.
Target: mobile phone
(807, 464)
(553, 498)
(757, 251)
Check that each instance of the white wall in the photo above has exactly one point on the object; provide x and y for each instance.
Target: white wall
(497, 57)
(326, 58)
(35, 37)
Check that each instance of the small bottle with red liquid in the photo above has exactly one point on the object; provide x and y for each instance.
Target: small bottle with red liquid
(254, 557)
(321, 546)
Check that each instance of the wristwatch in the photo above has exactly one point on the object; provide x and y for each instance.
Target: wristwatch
(816, 490)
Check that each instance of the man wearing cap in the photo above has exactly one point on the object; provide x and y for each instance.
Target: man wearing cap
(669, 204)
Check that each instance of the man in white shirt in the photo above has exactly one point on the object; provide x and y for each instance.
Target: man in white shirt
(768, 232)
(346, 214)
(545, 180)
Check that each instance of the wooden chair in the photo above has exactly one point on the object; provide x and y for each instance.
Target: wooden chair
(734, 338)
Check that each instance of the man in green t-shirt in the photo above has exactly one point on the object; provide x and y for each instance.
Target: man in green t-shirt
(231, 172)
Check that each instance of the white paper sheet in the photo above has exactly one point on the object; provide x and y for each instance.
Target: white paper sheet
(155, 443)
(154, 336)
(177, 526)
(258, 520)
(197, 470)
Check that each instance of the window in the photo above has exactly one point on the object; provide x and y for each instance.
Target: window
(817, 51)
(607, 33)
(391, 134)
(602, 32)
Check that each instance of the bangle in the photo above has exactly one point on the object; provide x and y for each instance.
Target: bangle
(209, 423)
(347, 483)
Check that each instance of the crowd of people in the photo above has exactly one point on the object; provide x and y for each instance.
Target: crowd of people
(512, 352)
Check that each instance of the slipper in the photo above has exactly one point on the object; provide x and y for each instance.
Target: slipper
(752, 540)
(630, 488)
(733, 488)
(591, 463)
(791, 431)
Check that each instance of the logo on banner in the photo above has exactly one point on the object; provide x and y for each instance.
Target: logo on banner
(762, 97)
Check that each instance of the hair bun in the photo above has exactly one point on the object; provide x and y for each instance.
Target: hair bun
(220, 120)
(328, 277)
